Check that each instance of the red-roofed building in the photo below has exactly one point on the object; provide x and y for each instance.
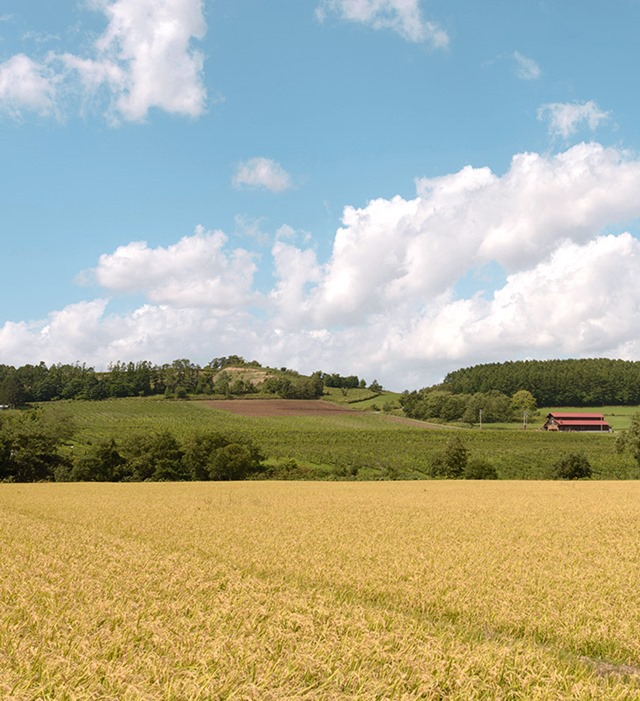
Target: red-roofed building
(575, 421)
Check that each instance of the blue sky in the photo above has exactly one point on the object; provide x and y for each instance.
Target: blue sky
(391, 188)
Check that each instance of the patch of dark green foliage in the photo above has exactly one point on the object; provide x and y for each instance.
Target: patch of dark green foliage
(31, 450)
(573, 466)
(571, 382)
(454, 463)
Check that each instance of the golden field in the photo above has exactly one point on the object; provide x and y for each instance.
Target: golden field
(267, 590)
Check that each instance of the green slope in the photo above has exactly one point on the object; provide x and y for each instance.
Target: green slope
(363, 445)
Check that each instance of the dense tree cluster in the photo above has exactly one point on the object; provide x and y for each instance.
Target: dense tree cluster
(290, 385)
(30, 446)
(42, 383)
(33, 448)
(337, 380)
(161, 457)
(488, 407)
(585, 382)
(573, 466)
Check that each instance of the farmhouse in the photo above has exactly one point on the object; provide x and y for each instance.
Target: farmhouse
(575, 421)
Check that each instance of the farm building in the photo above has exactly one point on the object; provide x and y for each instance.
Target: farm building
(575, 421)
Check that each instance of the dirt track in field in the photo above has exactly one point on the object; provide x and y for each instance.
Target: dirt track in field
(278, 407)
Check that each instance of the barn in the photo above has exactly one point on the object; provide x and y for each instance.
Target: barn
(575, 421)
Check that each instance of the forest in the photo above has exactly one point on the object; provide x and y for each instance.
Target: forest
(575, 383)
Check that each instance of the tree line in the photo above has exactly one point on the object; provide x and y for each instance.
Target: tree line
(181, 378)
(583, 382)
(485, 407)
(36, 447)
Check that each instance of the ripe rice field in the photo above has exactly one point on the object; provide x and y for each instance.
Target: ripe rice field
(320, 590)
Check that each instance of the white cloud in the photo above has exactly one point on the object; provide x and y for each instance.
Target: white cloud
(392, 251)
(401, 16)
(296, 270)
(143, 60)
(151, 43)
(195, 272)
(385, 303)
(581, 300)
(262, 173)
(87, 332)
(26, 86)
(526, 68)
(386, 296)
(565, 119)
(69, 335)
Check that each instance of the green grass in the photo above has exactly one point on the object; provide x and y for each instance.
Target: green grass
(340, 592)
(363, 445)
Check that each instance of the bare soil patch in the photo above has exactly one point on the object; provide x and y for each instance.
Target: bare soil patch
(278, 407)
(255, 377)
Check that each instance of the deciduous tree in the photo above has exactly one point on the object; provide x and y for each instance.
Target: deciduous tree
(451, 463)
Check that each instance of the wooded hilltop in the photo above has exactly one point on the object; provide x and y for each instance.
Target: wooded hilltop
(585, 382)
(229, 376)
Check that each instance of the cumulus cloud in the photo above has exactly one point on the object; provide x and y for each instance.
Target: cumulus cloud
(402, 16)
(396, 250)
(395, 264)
(386, 302)
(262, 173)
(564, 119)
(146, 59)
(26, 85)
(70, 334)
(526, 68)
(296, 270)
(579, 301)
(195, 272)
(88, 332)
(143, 60)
